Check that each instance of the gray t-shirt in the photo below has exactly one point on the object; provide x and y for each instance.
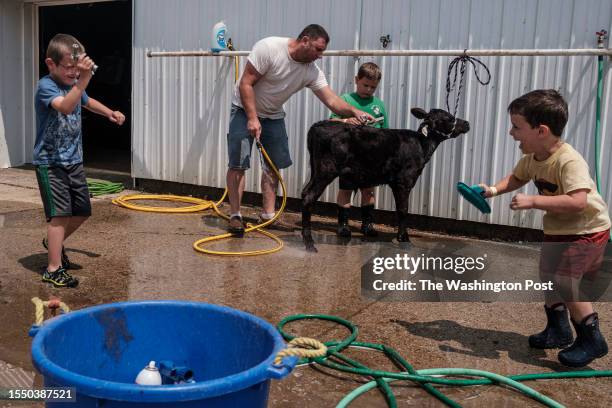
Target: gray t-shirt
(58, 136)
(282, 76)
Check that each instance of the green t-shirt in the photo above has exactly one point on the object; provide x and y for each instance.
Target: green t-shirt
(371, 105)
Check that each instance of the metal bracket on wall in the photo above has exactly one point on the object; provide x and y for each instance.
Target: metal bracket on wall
(385, 40)
(602, 36)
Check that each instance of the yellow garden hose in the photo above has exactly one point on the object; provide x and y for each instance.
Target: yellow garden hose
(199, 204)
(230, 46)
(250, 227)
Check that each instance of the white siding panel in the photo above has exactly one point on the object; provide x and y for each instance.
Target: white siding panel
(181, 105)
(13, 147)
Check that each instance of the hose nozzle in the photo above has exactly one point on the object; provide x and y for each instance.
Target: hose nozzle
(76, 52)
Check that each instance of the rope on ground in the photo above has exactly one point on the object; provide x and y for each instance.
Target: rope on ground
(203, 205)
(424, 378)
(302, 347)
(52, 304)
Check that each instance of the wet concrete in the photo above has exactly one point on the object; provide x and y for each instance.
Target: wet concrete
(122, 254)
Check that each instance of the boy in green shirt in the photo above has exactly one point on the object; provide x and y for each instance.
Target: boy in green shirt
(366, 82)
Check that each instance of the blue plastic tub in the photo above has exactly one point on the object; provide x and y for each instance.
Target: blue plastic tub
(100, 350)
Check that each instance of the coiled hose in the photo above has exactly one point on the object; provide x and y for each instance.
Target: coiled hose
(203, 205)
(101, 187)
(424, 378)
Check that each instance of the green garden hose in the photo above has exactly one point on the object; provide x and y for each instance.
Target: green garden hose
(495, 378)
(424, 378)
(100, 187)
(600, 65)
(601, 35)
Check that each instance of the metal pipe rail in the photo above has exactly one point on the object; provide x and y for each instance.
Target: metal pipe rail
(408, 53)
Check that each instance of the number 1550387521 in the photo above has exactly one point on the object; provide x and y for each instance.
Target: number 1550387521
(58, 394)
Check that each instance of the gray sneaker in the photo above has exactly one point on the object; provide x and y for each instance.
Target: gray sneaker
(60, 278)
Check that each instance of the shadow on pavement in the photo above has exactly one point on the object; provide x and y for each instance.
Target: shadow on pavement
(483, 343)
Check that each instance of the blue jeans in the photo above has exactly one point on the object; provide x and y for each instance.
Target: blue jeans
(240, 142)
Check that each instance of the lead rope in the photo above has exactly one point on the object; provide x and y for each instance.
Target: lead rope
(458, 66)
(52, 304)
(302, 347)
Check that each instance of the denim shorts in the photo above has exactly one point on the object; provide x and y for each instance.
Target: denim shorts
(240, 142)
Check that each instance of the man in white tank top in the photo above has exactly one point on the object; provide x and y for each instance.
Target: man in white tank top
(277, 67)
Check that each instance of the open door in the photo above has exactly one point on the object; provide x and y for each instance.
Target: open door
(105, 29)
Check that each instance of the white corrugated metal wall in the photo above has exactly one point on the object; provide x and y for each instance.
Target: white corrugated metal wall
(17, 82)
(487, 153)
(11, 84)
(181, 105)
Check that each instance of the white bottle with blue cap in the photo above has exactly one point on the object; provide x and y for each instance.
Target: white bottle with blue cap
(219, 37)
(149, 375)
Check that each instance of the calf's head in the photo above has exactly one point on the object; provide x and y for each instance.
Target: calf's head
(440, 124)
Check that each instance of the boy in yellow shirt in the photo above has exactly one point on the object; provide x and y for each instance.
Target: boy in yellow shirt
(575, 214)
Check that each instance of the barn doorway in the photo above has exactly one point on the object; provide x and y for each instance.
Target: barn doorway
(105, 29)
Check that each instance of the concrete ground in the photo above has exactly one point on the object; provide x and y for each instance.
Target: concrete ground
(127, 255)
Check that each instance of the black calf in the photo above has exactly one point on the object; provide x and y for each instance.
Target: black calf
(370, 156)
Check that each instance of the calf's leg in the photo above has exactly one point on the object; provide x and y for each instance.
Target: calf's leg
(401, 193)
(310, 194)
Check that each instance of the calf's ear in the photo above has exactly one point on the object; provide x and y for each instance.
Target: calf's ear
(418, 113)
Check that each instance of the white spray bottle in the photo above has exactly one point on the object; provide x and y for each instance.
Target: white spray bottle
(219, 37)
(149, 375)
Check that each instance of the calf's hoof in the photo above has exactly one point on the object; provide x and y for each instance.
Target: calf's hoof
(403, 240)
(311, 248)
(369, 231)
(343, 231)
(309, 243)
(403, 237)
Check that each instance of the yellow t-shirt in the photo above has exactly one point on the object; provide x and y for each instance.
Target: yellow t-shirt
(563, 172)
